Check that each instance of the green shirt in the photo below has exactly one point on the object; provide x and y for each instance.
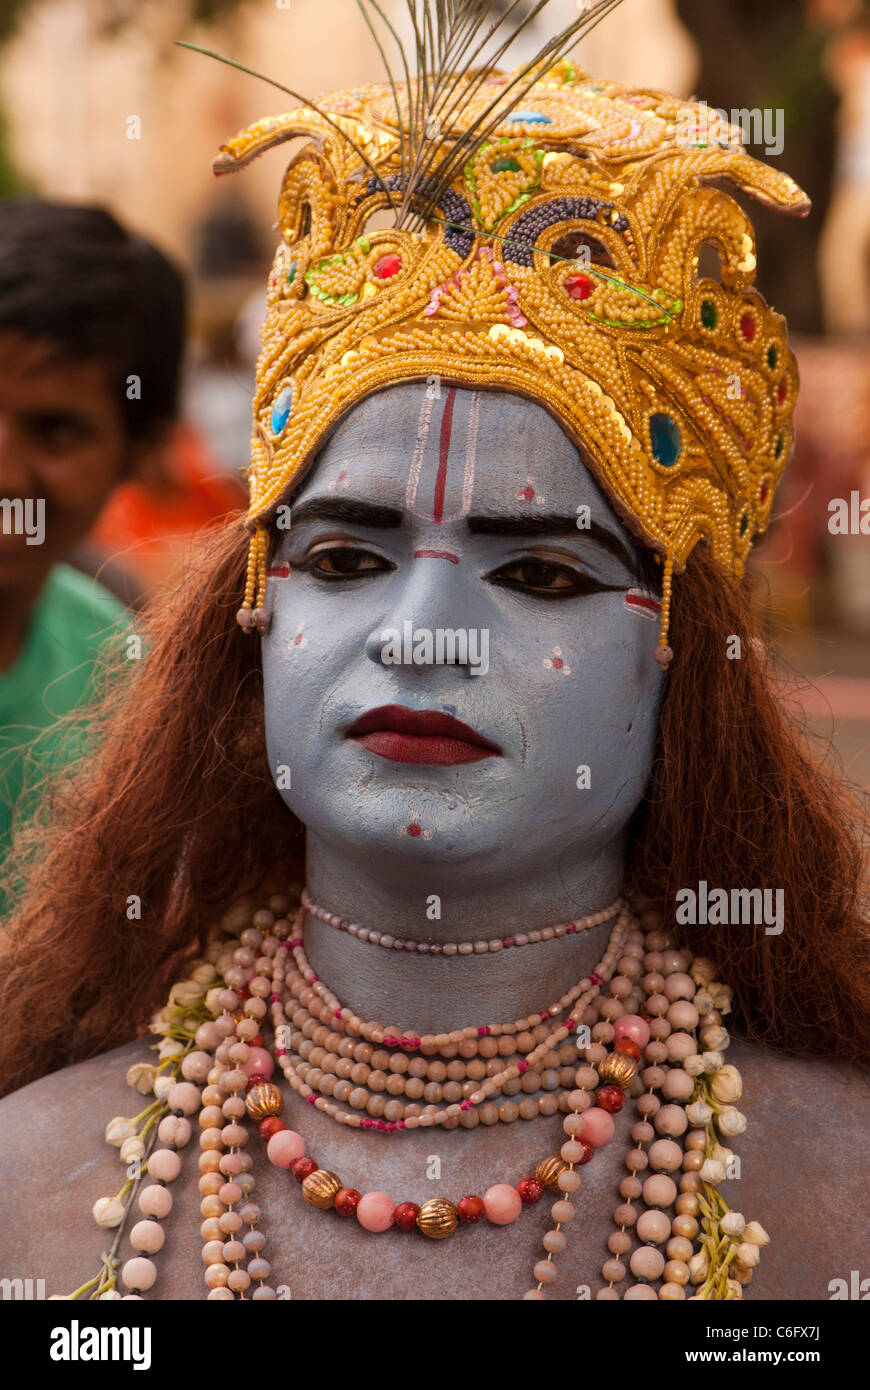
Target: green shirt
(50, 676)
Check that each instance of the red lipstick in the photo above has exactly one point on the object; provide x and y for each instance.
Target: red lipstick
(420, 736)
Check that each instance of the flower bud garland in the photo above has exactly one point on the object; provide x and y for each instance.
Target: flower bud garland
(717, 1085)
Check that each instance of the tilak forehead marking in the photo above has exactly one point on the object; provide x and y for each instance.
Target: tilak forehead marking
(441, 474)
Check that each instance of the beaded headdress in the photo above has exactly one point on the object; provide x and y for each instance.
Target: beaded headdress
(546, 236)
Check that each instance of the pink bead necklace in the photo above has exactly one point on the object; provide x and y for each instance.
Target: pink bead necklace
(460, 948)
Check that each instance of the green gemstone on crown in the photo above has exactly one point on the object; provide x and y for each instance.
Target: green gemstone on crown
(664, 437)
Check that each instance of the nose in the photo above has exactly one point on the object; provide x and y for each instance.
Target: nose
(376, 645)
(433, 619)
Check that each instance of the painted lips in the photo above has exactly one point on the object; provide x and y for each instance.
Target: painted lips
(420, 736)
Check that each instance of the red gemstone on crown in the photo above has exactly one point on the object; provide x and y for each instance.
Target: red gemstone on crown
(747, 327)
(579, 286)
(388, 265)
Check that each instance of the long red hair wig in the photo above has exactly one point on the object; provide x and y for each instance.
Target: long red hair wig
(170, 805)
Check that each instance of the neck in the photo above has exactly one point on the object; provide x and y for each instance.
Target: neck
(440, 993)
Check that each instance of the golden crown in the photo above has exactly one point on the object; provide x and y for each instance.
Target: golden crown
(556, 256)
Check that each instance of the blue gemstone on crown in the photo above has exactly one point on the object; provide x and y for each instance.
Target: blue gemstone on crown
(281, 408)
(530, 117)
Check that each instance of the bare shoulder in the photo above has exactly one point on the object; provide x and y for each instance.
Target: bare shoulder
(55, 1163)
(801, 1160)
(801, 1166)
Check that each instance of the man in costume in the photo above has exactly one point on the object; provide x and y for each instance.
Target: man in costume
(462, 423)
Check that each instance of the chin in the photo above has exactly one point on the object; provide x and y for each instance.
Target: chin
(410, 821)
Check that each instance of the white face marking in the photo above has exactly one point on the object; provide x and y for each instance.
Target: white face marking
(643, 604)
(570, 683)
(441, 473)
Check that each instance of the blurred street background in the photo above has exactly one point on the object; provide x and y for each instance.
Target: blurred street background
(97, 105)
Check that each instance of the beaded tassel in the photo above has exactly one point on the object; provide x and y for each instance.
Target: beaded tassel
(253, 616)
(663, 653)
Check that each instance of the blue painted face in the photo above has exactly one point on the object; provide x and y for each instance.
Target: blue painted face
(450, 559)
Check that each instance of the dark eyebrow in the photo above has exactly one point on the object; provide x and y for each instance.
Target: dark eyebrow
(541, 524)
(343, 509)
(550, 524)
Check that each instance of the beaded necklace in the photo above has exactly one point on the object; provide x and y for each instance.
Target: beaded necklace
(305, 986)
(459, 948)
(651, 1017)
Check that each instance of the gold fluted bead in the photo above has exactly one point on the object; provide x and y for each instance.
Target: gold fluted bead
(437, 1218)
(264, 1100)
(549, 1170)
(618, 1069)
(320, 1187)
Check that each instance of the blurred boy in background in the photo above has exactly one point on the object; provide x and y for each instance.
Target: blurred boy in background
(91, 341)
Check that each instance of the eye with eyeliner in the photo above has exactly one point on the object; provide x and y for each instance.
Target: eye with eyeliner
(334, 561)
(548, 578)
(539, 576)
